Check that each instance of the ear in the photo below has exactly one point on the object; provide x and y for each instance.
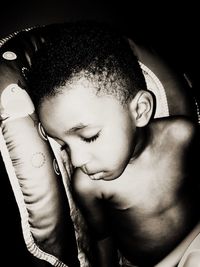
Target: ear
(142, 108)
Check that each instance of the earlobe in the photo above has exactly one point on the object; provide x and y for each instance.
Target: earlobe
(142, 108)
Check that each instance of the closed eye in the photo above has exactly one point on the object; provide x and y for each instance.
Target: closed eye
(90, 139)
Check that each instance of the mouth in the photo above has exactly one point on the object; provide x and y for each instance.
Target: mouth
(94, 175)
(97, 176)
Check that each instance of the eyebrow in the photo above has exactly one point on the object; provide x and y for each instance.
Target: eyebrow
(77, 128)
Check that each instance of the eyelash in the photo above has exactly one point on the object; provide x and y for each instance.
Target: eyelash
(91, 139)
(87, 140)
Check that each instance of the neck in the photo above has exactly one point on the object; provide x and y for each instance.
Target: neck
(143, 136)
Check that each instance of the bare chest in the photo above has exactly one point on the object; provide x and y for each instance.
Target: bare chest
(150, 185)
(153, 207)
(154, 195)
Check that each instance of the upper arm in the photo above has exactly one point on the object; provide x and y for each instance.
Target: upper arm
(87, 194)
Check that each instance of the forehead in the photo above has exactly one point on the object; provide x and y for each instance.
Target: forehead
(77, 103)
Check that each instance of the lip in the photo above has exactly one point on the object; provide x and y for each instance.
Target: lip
(94, 175)
(97, 176)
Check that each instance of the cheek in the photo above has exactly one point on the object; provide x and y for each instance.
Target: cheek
(119, 148)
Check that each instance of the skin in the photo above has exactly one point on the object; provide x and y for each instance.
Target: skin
(134, 179)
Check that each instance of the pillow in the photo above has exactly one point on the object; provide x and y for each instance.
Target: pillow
(32, 168)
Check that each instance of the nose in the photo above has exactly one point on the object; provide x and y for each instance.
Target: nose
(79, 158)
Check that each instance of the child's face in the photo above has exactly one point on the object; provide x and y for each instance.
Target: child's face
(97, 131)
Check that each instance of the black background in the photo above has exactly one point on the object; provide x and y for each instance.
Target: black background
(172, 28)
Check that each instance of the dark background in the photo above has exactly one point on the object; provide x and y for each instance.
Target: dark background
(171, 28)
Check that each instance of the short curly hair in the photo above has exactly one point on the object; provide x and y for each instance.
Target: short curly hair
(88, 48)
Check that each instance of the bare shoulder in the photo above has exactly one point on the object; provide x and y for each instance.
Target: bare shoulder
(182, 130)
(83, 185)
(176, 132)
